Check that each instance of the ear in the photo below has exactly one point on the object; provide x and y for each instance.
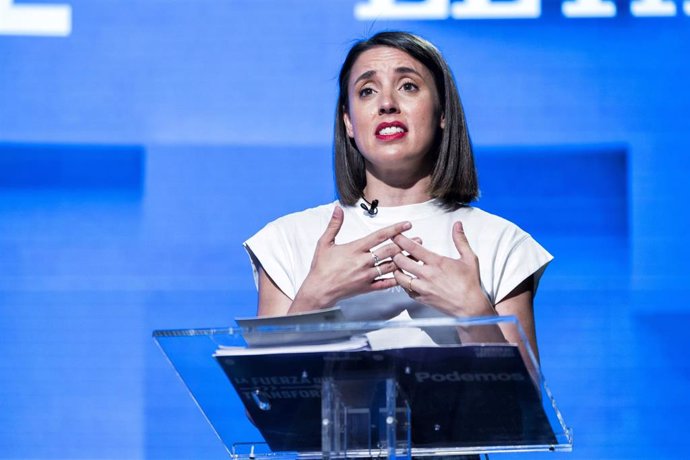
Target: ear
(442, 124)
(348, 124)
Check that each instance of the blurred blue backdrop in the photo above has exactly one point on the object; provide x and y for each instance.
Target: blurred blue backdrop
(141, 141)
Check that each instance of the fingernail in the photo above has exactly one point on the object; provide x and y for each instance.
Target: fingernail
(458, 227)
(407, 225)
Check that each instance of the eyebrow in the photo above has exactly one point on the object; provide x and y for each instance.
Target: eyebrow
(399, 70)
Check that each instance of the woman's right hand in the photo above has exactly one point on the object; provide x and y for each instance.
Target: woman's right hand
(339, 271)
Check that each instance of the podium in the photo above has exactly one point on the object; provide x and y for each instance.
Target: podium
(435, 387)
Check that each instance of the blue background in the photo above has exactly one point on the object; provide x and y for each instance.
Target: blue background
(137, 153)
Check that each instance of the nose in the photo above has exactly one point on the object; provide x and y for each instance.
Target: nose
(388, 104)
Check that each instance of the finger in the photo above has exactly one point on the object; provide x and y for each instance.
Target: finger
(374, 239)
(384, 283)
(389, 250)
(415, 249)
(409, 266)
(333, 226)
(410, 256)
(412, 285)
(460, 240)
(401, 279)
(386, 252)
(385, 269)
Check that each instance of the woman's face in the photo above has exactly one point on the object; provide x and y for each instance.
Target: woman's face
(394, 110)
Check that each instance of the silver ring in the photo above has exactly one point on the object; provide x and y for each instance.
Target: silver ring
(376, 258)
(378, 269)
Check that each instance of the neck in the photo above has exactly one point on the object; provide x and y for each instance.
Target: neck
(397, 194)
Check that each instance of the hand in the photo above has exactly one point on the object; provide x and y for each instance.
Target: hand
(450, 285)
(339, 271)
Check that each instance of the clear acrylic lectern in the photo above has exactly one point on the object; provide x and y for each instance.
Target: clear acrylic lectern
(399, 389)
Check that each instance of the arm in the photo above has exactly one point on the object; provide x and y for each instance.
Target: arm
(519, 303)
(272, 301)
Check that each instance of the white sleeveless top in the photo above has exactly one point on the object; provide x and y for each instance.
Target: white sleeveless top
(507, 255)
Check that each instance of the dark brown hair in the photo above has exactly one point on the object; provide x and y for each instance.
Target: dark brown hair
(454, 176)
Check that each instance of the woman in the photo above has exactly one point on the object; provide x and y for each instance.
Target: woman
(401, 148)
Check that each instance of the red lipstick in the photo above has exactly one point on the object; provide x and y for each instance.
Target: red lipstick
(390, 130)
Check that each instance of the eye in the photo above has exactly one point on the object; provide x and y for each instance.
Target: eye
(409, 86)
(366, 91)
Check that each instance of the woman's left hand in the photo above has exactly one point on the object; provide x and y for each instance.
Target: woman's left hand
(450, 285)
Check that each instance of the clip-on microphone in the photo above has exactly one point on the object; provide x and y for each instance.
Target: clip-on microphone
(372, 209)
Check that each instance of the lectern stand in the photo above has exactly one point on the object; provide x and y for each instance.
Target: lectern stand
(417, 388)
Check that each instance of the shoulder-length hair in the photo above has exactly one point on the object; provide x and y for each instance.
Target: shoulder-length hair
(454, 176)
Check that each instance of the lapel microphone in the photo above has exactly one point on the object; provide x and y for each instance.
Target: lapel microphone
(372, 209)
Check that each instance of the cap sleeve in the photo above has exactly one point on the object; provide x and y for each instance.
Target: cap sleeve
(526, 257)
(269, 249)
